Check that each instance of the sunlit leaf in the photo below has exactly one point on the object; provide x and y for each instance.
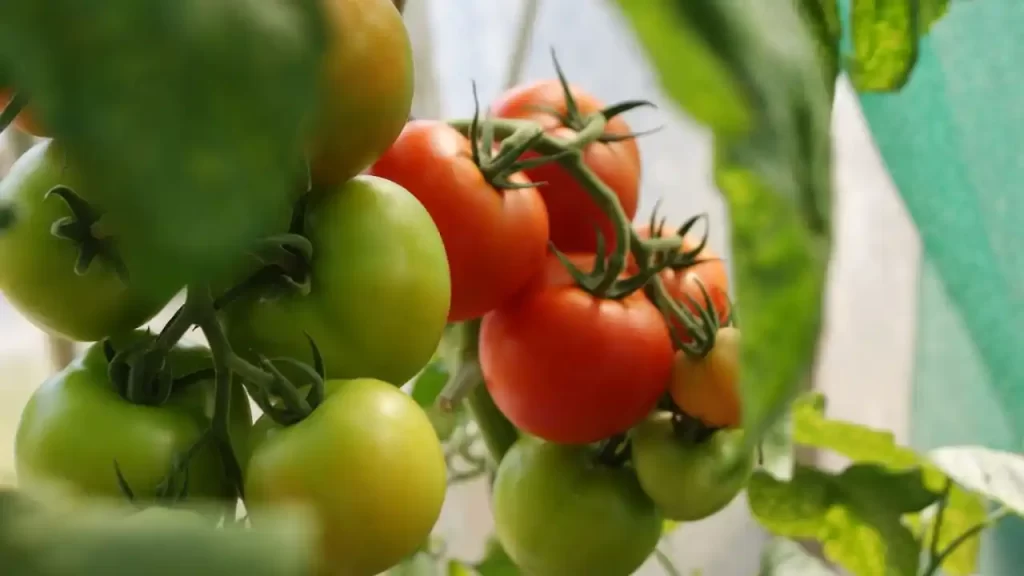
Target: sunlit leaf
(773, 164)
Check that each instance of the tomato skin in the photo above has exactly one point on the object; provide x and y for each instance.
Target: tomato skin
(75, 426)
(687, 480)
(368, 463)
(573, 213)
(368, 47)
(558, 512)
(26, 121)
(707, 388)
(569, 368)
(37, 268)
(380, 288)
(495, 240)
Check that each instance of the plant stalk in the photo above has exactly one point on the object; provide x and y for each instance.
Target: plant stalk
(497, 432)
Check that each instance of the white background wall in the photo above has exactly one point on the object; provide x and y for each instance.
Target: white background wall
(867, 352)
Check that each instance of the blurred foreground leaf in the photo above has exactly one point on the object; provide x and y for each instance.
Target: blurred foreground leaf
(187, 116)
(750, 70)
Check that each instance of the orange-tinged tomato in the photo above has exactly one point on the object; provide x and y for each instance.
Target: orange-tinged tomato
(707, 388)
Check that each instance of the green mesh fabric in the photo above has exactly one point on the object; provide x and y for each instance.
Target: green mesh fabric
(953, 141)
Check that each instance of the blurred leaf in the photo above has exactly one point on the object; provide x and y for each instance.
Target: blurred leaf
(769, 108)
(429, 382)
(885, 44)
(111, 542)
(669, 526)
(964, 511)
(822, 17)
(456, 568)
(496, 562)
(185, 115)
(777, 454)
(856, 515)
(419, 564)
(994, 474)
(931, 12)
(783, 557)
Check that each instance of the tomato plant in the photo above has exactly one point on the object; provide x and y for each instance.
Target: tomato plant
(557, 511)
(369, 47)
(38, 268)
(77, 425)
(496, 240)
(25, 121)
(368, 462)
(569, 367)
(379, 289)
(689, 479)
(706, 387)
(574, 216)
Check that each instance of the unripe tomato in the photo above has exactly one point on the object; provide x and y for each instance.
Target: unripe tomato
(366, 88)
(571, 368)
(379, 292)
(37, 269)
(689, 480)
(369, 466)
(559, 512)
(707, 388)
(75, 426)
(574, 215)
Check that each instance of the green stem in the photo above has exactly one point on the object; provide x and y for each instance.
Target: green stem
(498, 433)
(11, 111)
(933, 551)
(936, 562)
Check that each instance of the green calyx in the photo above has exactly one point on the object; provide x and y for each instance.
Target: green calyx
(80, 228)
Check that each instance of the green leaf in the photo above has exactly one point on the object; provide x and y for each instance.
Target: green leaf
(822, 16)
(188, 117)
(885, 43)
(994, 474)
(777, 453)
(931, 12)
(457, 568)
(772, 163)
(496, 562)
(856, 515)
(783, 557)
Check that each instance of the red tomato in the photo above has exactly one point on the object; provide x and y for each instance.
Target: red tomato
(570, 368)
(25, 121)
(496, 241)
(573, 213)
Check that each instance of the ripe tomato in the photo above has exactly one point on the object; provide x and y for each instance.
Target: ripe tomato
(368, 464)
(367, 85)
(573, 213)
(706, 388)
(688, 480)
(495, 240)
(75, 426)
(711, 270)
(25, 121)
(379, 290)
(558, 512)
(37, 268)
(570, 368)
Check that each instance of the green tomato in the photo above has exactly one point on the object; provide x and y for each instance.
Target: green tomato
(37, 272)
(366, 462)
(380, 288)
(557, 511)
(689, 480)
(75, 426)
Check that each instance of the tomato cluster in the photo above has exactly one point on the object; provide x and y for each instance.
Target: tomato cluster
(613, 349)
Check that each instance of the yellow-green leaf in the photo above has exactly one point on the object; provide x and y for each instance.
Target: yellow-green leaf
(885, 48)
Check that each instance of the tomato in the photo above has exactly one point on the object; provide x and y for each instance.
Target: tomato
(688, 480)
(26, 121)
(75, 426)
(37, 268)
(379, 292)
(707, 388)
(557, 511)
(573, 213)
(495, 240)
(368, 464)
(366, 88)
(570, 368)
